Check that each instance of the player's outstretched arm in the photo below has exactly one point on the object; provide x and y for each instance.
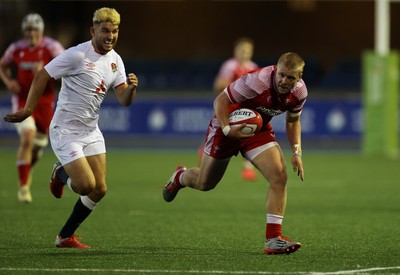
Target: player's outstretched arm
(35, 92)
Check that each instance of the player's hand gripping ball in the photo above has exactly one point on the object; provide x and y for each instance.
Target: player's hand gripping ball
(252, 119)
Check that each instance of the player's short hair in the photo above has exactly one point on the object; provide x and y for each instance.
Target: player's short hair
(106, 15)
(292, 61)
(241, 40)
(33, 20)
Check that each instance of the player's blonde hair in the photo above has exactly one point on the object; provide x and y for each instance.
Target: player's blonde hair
(292, 61)
(106, 15)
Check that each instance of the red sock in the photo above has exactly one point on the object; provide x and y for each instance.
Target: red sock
(273, 230)
(177, 176)
(23, 173)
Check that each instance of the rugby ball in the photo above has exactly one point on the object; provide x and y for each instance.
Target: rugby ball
(252, 119)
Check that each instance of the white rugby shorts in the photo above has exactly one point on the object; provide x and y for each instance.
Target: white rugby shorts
(70, 144)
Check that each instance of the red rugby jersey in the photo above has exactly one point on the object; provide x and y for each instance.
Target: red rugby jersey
(26, 60)
(256, 91)
(232, 69)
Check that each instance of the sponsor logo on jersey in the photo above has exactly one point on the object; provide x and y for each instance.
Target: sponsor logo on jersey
(29, 65)
(269, 112)
(90, 66)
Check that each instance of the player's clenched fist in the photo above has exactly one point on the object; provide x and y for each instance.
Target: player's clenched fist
(132, 79)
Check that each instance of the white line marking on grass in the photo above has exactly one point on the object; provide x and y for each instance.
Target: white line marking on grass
(355, 271)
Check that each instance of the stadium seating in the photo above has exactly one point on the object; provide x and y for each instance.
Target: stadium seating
(199, 74)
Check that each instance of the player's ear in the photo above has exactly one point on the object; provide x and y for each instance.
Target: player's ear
(92, 31)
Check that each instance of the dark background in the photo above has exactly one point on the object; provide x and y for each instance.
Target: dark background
(180, 44)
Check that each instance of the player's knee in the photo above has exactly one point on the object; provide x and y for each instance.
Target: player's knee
(26, 143)
(85, 187)
(100, 191)
(37, 153)
(84, 190)
(279, 180)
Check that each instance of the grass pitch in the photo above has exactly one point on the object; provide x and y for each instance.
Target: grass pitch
(346, 214)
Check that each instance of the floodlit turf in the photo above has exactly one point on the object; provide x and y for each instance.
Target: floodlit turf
(346, 214)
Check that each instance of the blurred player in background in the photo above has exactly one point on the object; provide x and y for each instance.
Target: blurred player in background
(231, 70)
(29, 55)
(271, 91)
(88, 71)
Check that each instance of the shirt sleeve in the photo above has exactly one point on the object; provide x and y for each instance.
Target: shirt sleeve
(247, 86)
(299, 99)
(227, 70)
(64, 63)
(55, 48)
(7, 57)
(121, 76)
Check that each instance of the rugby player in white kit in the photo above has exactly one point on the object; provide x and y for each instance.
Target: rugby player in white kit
(88, 71)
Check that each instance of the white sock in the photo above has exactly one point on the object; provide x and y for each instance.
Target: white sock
(88, 202)
(181, 178)
(69, 184)
(271, 218)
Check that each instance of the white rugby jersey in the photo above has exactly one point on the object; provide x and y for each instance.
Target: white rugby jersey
(86, 78)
